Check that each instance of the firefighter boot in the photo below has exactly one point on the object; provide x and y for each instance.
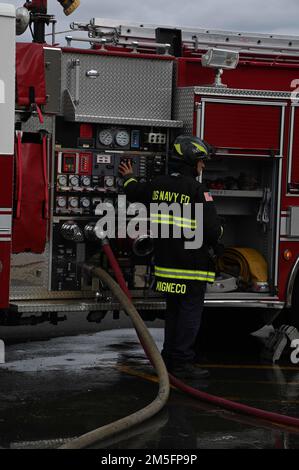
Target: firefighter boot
(189, 371)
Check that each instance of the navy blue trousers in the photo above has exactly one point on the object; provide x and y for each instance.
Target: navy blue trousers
(182, 322)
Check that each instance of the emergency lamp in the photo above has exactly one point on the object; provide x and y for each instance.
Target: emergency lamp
(220, 59)
(22, 20)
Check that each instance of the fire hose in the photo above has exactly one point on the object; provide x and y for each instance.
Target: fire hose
(151, 350)
(122, 293)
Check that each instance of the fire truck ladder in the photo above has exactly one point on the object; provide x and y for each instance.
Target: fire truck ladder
(137, 35)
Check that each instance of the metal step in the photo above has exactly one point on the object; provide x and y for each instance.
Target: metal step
(211, 300)
(64, 306)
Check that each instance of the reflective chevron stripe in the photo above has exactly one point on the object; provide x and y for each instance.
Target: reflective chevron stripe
(191, 275)
(129, 181)
(168, 219)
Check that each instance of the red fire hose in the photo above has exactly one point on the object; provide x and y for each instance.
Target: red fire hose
(115, 267)
(120, 290)
(218, 401)
(121, 281)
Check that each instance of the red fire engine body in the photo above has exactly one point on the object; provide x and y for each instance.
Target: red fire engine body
(128, 94)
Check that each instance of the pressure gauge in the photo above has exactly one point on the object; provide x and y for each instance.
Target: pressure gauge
(119, 182)
(109, 181)
(73, 202)
(122, 138)
(62, 180)
(86, 181)
(61, 202)
(85, 203)
(105, 137)
(108, 201)
(74, 181)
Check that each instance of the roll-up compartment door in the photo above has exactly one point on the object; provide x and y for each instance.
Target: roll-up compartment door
(293, 162)
(243, 126)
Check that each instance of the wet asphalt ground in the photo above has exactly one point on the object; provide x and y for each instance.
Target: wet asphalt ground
(58, 388)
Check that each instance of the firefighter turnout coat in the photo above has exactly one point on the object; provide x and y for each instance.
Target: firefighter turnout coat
(179, 270)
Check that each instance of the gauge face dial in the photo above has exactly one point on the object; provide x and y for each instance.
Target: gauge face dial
(105, 137)
(74, 180)
(73, 202)
(61, 202)
(86, 181)
(122, 138)
(85, 202)
(62, 180)
(109, 181)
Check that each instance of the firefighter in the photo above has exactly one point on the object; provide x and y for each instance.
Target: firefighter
(181, 273)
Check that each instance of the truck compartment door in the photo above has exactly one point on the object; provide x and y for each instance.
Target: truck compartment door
(243, 127)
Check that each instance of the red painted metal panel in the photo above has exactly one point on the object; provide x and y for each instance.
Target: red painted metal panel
(116, 51)
(6, 189)
(243, 126)
(295, 161)
(6, 181)
(30, 71)
(249, 74)
(285, 267)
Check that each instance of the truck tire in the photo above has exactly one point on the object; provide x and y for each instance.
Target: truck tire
(226, 327)
(293, 312)
(290, 316)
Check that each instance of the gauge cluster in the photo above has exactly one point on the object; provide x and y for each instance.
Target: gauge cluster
(86, 174)
(110, 137)
(114, 138)
(84, 177)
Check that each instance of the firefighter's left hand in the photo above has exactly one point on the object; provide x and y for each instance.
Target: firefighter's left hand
(125, 168)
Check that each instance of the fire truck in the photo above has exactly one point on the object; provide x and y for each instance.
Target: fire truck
(126, 90)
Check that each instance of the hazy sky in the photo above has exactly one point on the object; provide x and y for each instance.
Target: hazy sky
(271, 16)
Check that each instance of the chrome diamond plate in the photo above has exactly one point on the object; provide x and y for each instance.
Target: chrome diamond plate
(237, 92)
(33, 124)
(129, 88)
(29, 275)
(61, 307)
(184, 107)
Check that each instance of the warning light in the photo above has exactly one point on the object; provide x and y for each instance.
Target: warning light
(288, 255)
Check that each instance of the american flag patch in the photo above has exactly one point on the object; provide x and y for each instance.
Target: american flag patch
(208, 197)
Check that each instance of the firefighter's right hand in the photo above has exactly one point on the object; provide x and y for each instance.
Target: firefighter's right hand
(125, 168)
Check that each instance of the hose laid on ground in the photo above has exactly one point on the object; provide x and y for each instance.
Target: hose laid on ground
(235, 406)
(221, 402)
(161, 399)
(122, 293)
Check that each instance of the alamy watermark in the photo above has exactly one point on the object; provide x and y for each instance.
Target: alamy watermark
(295, 353)
(295, 92)
(2, 352)
(2, 92)
(160, 220)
